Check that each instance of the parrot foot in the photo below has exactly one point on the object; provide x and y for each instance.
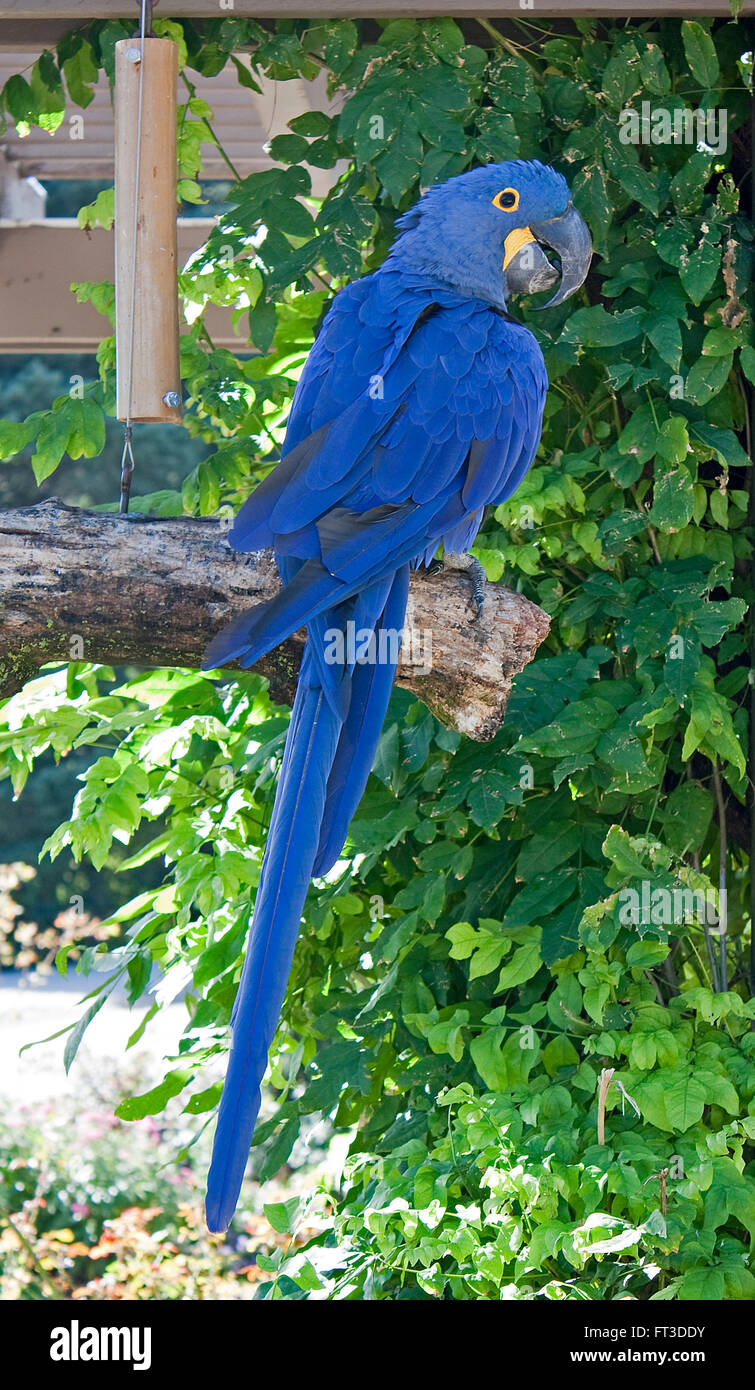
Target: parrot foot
(473, 568)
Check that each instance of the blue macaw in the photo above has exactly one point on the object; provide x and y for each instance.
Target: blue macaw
(420, 404)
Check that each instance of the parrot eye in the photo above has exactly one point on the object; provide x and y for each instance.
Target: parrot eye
(507, 200)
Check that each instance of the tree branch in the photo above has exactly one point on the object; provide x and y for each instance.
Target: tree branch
(151, 591)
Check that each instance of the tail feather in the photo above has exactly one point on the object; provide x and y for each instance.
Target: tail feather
(335, 726)
(286, 870)
(355, 754)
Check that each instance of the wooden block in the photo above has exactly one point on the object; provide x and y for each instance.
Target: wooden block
(147, 366)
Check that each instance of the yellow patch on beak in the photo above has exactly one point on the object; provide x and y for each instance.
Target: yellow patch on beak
(514, 242)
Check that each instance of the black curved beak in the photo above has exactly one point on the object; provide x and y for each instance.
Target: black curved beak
(569, 236)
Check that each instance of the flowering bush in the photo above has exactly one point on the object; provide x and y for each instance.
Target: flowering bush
(92, 1207)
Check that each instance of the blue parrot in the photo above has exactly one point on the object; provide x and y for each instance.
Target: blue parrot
(419, 405)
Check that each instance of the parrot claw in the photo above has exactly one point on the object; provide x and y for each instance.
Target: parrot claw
(476, 574)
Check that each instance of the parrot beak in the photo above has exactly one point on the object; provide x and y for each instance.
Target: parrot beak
(569, 236)
(526, 269)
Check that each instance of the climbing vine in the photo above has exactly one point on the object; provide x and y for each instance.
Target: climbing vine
(523, 995)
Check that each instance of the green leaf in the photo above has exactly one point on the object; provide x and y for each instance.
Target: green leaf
(398, 169)
(540, 897)
(621, 77)
(706, 377)
(665, 334)
(700, 52)
(688, 186)
(710, 725)
(19, 100)
(100, 213)
(77, 1032)
(720, 443)
(486, 947)
(487, 1055)
(524, 963)
(575, 731)
(489, 797)
(730, 1194)
(87, 428)
(312, 123)
(647, 954)
(289, 149)
(721, 342)
(463, 937)
(685, 1101)
(701, 1284)
(673, 499)
(618, 847)
(747, 361)
(559, 1052)
(14, 436)
(595, 327)
(639, 183)
(282, 1216)
(546, 851)
(686, 817)
(262, 324)
(280, 1148)
(681, 665)
(591, 197)
(154, 1101)
(169, 29)
(699, 269)
(79, 70)
(52, 442)
(653, 70)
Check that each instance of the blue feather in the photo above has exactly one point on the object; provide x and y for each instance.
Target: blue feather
(286, 869)
(371, 690)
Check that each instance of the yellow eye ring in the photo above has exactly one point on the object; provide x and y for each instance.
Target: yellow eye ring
(507, 200)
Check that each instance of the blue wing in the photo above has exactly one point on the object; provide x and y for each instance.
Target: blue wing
(399, 437)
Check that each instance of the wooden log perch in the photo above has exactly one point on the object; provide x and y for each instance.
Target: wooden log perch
(152, 591)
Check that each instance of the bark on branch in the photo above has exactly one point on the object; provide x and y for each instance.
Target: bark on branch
(152, 591)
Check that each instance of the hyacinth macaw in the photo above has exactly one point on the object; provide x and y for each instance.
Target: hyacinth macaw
(420, 404)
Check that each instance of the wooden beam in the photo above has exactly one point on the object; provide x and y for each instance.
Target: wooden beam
(20, 35)
(81, 11)
(244, 121)
(152, 591)
(40, 260)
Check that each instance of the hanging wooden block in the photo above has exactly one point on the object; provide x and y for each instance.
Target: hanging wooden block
(147, 356)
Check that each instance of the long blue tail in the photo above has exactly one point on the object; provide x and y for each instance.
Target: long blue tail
(326, 761)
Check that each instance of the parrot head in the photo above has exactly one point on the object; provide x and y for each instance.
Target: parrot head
(482, 233)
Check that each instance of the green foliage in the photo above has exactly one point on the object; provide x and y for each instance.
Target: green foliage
(163, 460)
(509, 920)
